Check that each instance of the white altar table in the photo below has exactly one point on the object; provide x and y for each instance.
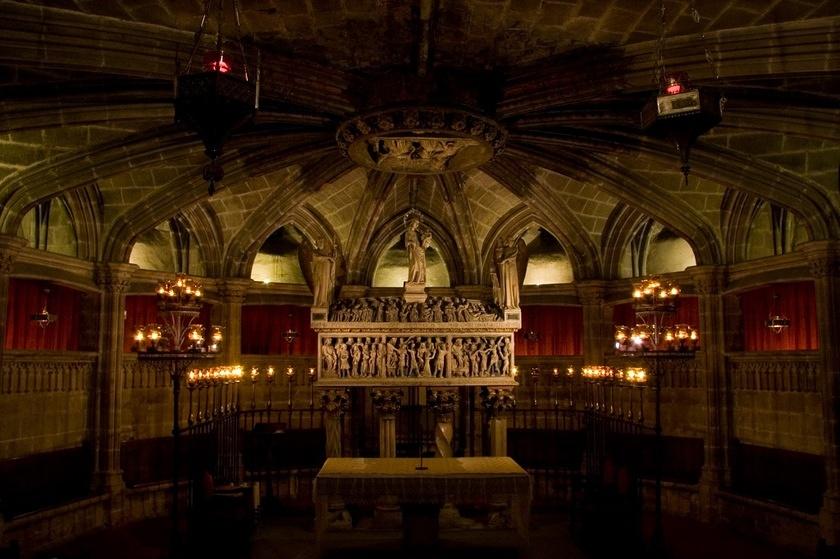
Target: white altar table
(459, 481)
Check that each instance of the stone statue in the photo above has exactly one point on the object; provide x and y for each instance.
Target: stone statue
(323, 274)
(416, 243)
(505, 257)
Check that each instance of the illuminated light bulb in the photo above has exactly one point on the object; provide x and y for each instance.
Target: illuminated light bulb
(139, 335)
(637, 293)
(255, 373)
(570, 371)
(693, 335)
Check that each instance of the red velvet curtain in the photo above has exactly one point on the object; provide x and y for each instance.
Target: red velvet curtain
(26, 297)
(263, 327)
(141, 310)
(796, 301)
(688, 312)
(559, 330)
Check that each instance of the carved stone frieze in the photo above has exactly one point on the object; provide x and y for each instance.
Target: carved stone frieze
(395, 309)
(416, 359)
(421, 140)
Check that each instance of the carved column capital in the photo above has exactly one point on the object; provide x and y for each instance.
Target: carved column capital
(442, 402)
(708, 280)
(387, 401)
(823, 258)
(114, 277)
(9, 249)
(497, 401)
(335, 401)
(591, 292)
(234, 290)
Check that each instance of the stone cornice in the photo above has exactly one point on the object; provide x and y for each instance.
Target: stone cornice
(40, 264)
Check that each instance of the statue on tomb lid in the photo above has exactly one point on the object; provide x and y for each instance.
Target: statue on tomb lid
(506, 255)
(323, 273)
(417, 240)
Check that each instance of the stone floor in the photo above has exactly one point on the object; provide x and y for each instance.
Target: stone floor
(291, 537)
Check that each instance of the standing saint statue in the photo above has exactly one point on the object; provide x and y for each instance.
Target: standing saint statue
(506, 257)
(416, 243)
(323, 274)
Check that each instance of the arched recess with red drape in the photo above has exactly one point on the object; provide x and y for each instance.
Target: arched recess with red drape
(141, 310)
(796, 301)
(688, 312)
(26, 297)
(559, 330)
(263, 327)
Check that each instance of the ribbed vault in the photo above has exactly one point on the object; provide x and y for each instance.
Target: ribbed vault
(91, 121)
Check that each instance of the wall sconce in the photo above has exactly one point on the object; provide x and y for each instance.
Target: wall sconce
(44, 318)
(776, 321)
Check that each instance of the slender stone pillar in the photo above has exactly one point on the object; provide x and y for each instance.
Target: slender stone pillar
(824, 262)
(233, 292)
(709, 282)
(443, 402)
(113, 279)
(497, 401)
(387, 404)
(336, 403)
(595, 325)
(9, 249)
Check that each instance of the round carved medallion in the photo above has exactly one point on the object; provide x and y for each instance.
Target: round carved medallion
(421, 141)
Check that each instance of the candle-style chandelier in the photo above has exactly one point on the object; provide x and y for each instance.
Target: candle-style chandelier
(179, 304)
(655, 301)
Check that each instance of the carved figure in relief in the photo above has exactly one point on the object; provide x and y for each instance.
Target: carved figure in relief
(381, 358)
(413, 368)
(328, 358)
(423, 359)
(392, 314)
(392, 358)
(356, 353)
(365, 364)
(437, 311)
(374, 349)
(475, 360)
(504, 357)
(458, 358)
(440, 360)
(449, 312)
(402, 358)
(493, 358)
(343, 356)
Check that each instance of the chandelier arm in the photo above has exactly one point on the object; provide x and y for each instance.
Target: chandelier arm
(221, 20)
(199, 34)
(239, 38)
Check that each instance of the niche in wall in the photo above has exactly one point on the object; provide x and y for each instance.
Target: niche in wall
(278, 260)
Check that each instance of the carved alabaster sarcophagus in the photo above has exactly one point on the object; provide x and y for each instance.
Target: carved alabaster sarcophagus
(445, 341)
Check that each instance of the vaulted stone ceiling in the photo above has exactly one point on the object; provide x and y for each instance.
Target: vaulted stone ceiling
(86, 106)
